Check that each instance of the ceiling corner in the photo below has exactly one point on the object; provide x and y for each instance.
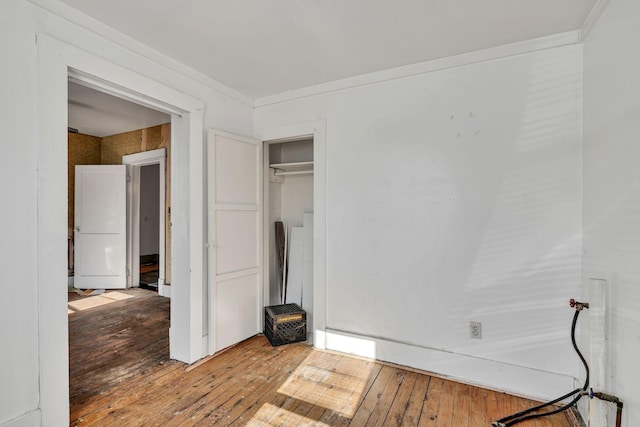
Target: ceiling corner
(593, 18)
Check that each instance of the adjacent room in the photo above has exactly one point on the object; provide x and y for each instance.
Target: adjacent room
(107, 130)
(320, 213)
(118, 306)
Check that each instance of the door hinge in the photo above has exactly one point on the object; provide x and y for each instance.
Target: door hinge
(128, 178)
(128, 272)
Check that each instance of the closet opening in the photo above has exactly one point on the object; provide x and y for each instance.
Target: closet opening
(289, 218)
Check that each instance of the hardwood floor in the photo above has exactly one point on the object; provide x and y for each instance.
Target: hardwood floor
(113, 337)
(120, 375)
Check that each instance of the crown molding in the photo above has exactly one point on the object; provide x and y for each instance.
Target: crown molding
(88, 23)
(504, 51)
(593, 18)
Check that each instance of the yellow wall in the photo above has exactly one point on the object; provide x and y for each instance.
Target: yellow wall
(137, 141)
(83, 150)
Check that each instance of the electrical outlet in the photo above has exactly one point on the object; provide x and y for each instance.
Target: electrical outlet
(475, 330)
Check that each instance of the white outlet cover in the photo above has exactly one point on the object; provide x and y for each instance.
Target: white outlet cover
(475, 330)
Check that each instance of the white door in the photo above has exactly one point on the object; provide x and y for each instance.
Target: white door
(100, 227)
(235, 238)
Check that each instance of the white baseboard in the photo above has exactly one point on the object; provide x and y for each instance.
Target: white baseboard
(206, 348)
(30, 419)
(518, 380)
(164, 290)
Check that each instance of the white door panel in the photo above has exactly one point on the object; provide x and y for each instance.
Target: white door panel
(235, 238)
(101, 255)
(100, 227)
(236, 241)
(235, 171)
(237, 314)
(101, 204)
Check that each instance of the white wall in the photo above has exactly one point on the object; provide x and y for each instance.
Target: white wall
(20, 385)
(150, 209)
(18, 185)
(296, 190)
(612, 187)
(296, 199)
(455, 196)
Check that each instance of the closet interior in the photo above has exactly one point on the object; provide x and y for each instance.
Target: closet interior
(289, 223)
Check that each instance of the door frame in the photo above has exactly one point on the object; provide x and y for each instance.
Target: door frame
(134, 162)
(56, 62)
(318, 130)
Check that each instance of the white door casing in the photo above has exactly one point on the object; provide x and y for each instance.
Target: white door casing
(56, 61)
(235, 238)
(134, 162)
(100, 227)
(317, 323)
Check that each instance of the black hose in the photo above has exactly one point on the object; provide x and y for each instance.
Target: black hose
(528, 414)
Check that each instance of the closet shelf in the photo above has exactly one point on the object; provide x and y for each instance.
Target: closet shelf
(294, 168)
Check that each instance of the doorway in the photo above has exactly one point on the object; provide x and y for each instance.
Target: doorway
(106, 130)
(290, 200)
(56, 61)
(149, 220)
(314, 132)
(138, 336)
(148, 199)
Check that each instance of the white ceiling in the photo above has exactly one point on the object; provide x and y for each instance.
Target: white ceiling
(264, 47)
(96, 113)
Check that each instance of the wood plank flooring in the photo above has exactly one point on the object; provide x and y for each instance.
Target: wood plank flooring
(120, 375)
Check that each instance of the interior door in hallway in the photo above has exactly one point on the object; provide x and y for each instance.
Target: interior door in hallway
(100, 227)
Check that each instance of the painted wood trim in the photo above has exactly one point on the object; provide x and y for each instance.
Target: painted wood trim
(196, 222)
(54, 58)
(556, 40)
(238, 274)
(490, 374)
(318, 130)
(592, 19)
(234, 207)
(134, 162)
(53, 350)
(92, 82)
(32, 418)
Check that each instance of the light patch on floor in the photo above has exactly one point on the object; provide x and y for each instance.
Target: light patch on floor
(96, 301)
(271, 415)
(317, 383)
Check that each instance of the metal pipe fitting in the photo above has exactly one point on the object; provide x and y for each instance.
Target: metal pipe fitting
(610, 398)
(578, 305)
